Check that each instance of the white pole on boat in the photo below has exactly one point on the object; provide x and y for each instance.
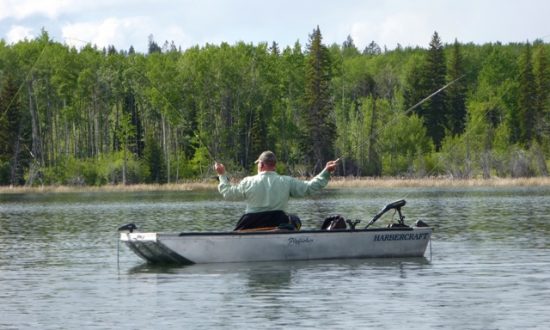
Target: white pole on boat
(128, 228)
(118, 252)
(430, 242)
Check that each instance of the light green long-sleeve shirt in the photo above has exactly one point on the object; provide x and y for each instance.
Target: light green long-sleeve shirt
(269, 191)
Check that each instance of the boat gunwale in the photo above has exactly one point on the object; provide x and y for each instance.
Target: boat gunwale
(300, 232)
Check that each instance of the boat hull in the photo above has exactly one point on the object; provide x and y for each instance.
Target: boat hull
(189, 248)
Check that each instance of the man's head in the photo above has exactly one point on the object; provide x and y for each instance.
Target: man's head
(266, 161)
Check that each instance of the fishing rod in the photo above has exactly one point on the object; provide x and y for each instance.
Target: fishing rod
(433, 94)
(373, 135)
(417, 105)
(398, 204)
(206, 147)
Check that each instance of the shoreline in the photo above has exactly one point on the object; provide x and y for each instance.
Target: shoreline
(335, 183)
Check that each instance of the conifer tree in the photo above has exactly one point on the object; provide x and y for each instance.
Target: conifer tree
(318, 126)
(258, 133)
(541, 70)
(372, 49)
(435, 111)
(348, 48)
(415, 89)
(153, 46)
(154, 160)
(456, 93)
(527, 97)
(10, 133)
(424, 79)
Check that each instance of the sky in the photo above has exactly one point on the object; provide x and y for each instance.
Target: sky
(125, 23)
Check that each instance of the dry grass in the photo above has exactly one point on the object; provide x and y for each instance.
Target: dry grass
(337, 182)
(187, 186)
(436, 182)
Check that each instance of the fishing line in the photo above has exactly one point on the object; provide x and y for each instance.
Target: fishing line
(406, 112)
(464, 136)
(206, 147)
(452, 147)
(150, 83)
(118, 251)
(375, 134)
(24, 80)
(133, 69)
(466, 133)
(163, 96)
(210, 155)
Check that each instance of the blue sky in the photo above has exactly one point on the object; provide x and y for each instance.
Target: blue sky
(188, 23)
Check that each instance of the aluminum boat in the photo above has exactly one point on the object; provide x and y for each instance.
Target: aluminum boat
(397, 240)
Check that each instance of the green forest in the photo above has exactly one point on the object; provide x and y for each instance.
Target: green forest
(90, 116)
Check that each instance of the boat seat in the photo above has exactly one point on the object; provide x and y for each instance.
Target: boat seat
(268, 219)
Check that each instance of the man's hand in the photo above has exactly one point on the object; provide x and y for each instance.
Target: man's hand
(219, 168)
(331, 165)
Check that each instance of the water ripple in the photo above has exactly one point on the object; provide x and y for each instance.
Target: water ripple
(488, 268)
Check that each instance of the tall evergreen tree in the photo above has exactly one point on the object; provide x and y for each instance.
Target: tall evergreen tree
(527, 98)
(10, 133)
(258, 133)
(435, 111)
(153, 46)
(456, 93)
(319, 127)
(415, 89)
(274, 49)
(541, 70)
(372, 49)
(348, 48)
(154, 160)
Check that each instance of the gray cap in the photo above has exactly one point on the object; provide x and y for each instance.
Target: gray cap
(267, 157)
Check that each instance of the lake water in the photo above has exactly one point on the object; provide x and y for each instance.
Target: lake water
(488, 266)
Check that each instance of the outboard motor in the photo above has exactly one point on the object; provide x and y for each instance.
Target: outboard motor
(334, 222)
(130, 227)
(420, 223)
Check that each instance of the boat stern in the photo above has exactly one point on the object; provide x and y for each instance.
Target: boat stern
(148, 247)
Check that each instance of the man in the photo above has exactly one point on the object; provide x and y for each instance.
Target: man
(267, 193)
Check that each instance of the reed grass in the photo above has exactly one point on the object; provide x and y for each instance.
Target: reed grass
(186, 186)
(343, 182)
(336, 182)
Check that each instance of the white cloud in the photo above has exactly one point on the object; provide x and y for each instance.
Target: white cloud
(176, 33)
(362, 34)
(122, 33)
(408, 29)
(110, 31)
(17, 33)
(410, 23)
(391, 30)
(20, 9)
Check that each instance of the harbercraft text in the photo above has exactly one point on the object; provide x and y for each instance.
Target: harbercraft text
(401, 237)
